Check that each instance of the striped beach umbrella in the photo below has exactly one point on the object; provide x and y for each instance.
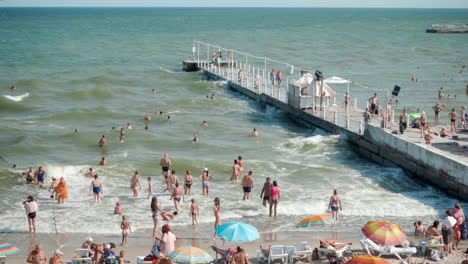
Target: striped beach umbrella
(8, 249)
(190, 255)
(237, 232)
(367, 259)
(384, 233)
(315, 220)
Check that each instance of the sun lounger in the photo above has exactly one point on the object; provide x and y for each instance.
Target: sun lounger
(82, 252)
(331, 251)
(2, 259)
(276, 253)
(300, 251)
(370, 247)
(425, 246)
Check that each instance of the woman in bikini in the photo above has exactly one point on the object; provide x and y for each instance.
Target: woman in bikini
(335, 204)
(188, 181)
(177, 195)
(155, 210)
(206, 177)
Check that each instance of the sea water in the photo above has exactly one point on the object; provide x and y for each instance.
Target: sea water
(92, 69)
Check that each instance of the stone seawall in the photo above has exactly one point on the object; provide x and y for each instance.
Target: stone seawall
(428, 164)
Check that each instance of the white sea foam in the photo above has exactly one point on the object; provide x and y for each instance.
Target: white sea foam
(17, 98)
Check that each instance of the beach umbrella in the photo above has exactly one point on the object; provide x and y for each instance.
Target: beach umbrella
(315, 220)
(414, 116)
(8, 249)
(190, 255)
(384, 233)
(367, 259)
(237, 232)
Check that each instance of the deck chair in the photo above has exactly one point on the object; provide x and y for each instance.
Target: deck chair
(2, 259)
(425, 246)
(324, 253)
(369, 246)
(276, 253)
(82, 252)
(301, 250)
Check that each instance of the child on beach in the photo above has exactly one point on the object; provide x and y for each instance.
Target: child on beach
(194, 212)
(118, 209)
(150, 188)
(125, 226)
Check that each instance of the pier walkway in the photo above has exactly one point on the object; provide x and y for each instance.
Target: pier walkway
(445, 164)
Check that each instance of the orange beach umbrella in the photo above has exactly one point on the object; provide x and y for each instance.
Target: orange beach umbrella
(384, 233)
(367, 259)
(315, 220)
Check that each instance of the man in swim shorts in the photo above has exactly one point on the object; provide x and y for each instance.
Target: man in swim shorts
(266, 191)
(374, 101)
(247, 185)
(272, 77)
(165, 165)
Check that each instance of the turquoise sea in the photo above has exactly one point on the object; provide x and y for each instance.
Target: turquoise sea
(92, 69)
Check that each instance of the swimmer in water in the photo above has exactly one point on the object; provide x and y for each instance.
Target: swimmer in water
(168, 216)
(76, 130)
(247, 185)
(205, 124)
(103, 162)
(146, 127)
(254, 133)
(90, 173)
(212, 97)
(153, 91)
(40, 174)
(147, 117)
(129, 126)
(135, 184)
(240, 161)
(122, 138)
(205, 178)
(150, 188)
(194, 212)
(53, 185)
(30, 176)
(235, 171)
(96, 189)
(188, 181)
(169, 118)
(103, 141)
(12, 87)
(165, 165)
(172, 181)
(161, 113)
(177, 195)
(195, 137)
(118, 209)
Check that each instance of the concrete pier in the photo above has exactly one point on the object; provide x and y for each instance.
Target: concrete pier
(446, 170)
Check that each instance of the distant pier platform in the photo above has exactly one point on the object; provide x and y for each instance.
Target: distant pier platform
(448, 31)
(308, 101)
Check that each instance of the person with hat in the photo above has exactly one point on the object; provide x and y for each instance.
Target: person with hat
(87, 245)
(56, 259)
(206, 177)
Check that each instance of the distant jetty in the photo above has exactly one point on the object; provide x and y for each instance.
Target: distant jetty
(449, 29)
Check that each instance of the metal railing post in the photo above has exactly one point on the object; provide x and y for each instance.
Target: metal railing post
(335, 116)
(347, 121)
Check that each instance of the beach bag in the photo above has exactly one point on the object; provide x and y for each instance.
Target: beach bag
(151, 258)
(315, 255)
(435, 255)
(464, 232)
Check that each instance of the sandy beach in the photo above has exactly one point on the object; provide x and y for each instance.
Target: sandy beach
(140, 243)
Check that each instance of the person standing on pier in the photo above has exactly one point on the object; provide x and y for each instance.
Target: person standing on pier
(272, 77)
(453, 119)
(279, 78)
(437, 108)
(347, 101)
(374, 101)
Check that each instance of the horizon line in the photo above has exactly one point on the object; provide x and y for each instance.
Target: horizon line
(286, 7)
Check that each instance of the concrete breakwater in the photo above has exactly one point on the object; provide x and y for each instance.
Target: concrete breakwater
(430, 165)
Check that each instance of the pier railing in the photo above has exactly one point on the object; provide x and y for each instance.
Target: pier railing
(250, 72)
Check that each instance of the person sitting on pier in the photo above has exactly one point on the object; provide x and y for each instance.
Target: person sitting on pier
(427, 137)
